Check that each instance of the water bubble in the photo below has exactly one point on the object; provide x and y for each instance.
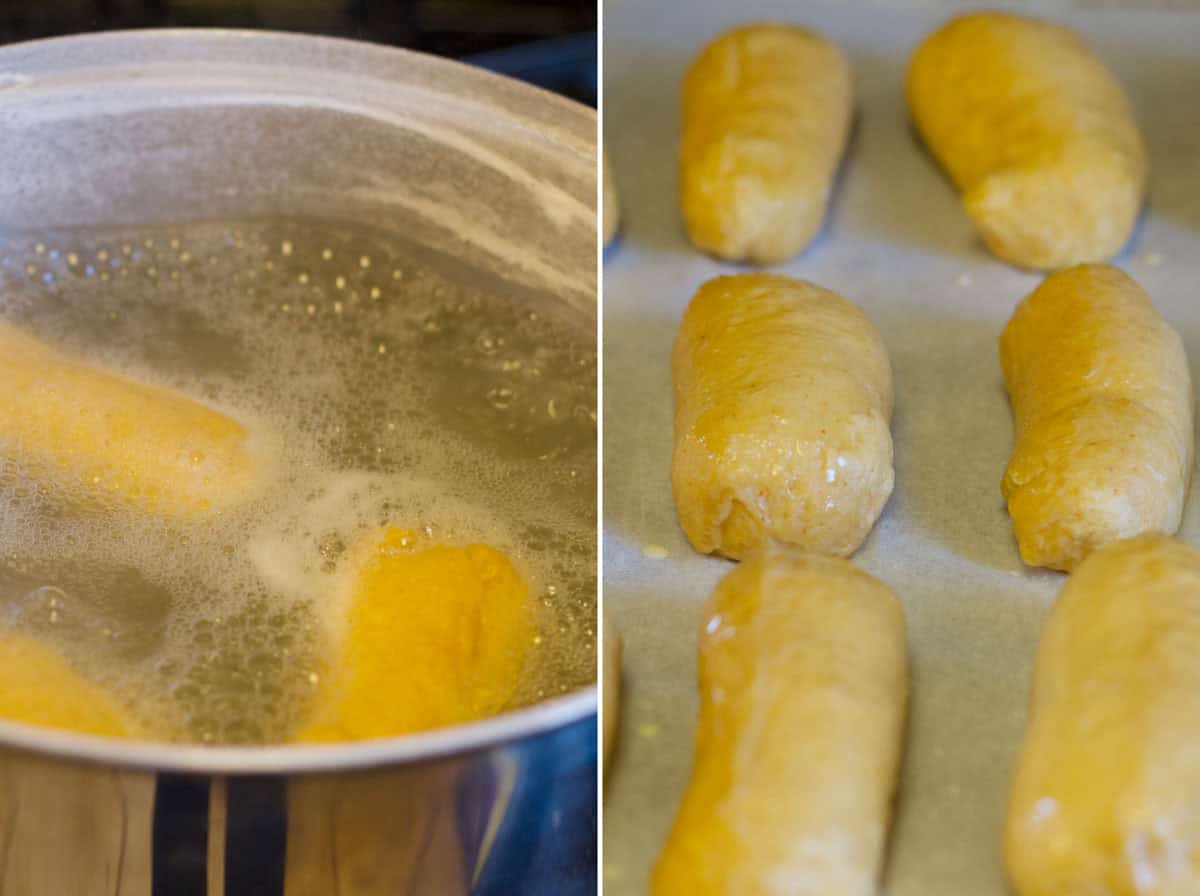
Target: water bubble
(500, 397)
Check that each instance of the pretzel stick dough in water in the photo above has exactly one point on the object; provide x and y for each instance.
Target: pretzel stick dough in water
(433, 635)
(39, 687)
(101, 438)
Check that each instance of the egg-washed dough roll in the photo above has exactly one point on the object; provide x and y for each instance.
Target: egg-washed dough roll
(434, 634)
(101, 438)
(803, 689)
(1106, 793)
(783, 395)
(1102, 407)
(612, 202)
(766, 114)
(39, 687)
(1035, 132)
(612, 686)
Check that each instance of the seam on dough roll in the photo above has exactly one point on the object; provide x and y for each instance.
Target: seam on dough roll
(783, 397)
(1102, 410)
(108, 440)
(1106, 793)
(1035, 132)
(803, 687)
(766, 114)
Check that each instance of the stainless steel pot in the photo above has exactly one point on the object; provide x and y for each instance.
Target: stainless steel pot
(156, 127)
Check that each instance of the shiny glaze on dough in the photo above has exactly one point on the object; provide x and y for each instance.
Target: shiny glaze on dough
(1102, 406)
(1106, 796)
(803, 688)
(1035, 132)
(783, 395)
(766, 113)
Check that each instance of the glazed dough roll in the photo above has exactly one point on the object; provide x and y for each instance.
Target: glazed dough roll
(432, 635)
(100, 438)
(766, 112)
(783, 395)
(1102, 407)
(803, 687)
(1035, 132)
(1106, 795)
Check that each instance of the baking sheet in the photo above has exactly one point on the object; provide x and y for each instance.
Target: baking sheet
(898, 243)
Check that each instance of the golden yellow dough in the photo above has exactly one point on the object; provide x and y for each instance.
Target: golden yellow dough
(803, 688)
(1102, 408)
(1106, 796)
(766, 113)
(612, 686)
(39, 687)
(434, 635)
(783, 395)
(612, 203)
(1035, 132)
(104, 439)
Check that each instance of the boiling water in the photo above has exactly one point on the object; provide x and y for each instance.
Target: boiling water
(384, 386)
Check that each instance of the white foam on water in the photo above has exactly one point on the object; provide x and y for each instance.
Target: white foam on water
(377, 392)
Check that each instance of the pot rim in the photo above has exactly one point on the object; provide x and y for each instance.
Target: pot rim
(60, 53)
(21, 67)
(506, 728)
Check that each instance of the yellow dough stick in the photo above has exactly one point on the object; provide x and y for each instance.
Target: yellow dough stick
(39, 687)
(434, 635)
(803, 689)
(1035, 132)
(1102, 408)
(1106, 796)
(612, 203)
(104, 439)
(766, 113)
(783, 395)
